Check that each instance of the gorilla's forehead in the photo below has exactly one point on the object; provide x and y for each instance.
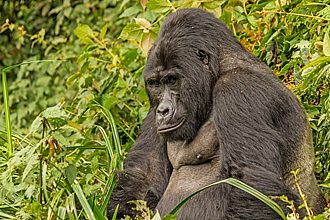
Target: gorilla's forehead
(153, 71)
(165, 56)
(160, 71)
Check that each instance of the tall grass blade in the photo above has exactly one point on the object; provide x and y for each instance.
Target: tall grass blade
(6, 216)
(83, 201)
(115, 157)
(55, 202)
(107, 114)
(239, 184)
(107, 141)
(61, 213)
(108, 191)
(113, 165)
(114, 217)
(262, 197)
(7, 113)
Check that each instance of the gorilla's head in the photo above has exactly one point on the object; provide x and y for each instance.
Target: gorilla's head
(182, 68)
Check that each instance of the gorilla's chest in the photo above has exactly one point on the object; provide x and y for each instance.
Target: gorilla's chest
(201, 150)
(195, 165)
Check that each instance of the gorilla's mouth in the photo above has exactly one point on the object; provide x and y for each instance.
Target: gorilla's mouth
(169, 128)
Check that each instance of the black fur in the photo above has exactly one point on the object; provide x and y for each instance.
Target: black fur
(240, 122)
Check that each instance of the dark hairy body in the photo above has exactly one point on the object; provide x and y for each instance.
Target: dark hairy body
(216, 112)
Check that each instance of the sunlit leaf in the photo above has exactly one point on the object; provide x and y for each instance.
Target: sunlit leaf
(103, 31)
(144, 23)
(131, 32)
(252, 20)
(159, 6)
(146, 43)
(326, 44)
(84, 33)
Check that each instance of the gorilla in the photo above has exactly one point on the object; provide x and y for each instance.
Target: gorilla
(216, 112)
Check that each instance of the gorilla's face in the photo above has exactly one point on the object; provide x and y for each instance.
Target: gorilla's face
(179, 90)
(164, 87)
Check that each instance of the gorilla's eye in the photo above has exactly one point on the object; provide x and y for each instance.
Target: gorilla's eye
(171, 80)
(203, 56)
(153, 82)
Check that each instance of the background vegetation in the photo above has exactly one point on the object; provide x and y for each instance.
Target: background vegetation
(74, 116)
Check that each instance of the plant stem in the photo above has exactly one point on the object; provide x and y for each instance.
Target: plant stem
(8, 126)
(309, 217)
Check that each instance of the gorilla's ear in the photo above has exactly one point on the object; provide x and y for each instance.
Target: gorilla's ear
(203, 56)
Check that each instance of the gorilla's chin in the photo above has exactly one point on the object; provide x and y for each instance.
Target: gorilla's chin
(185, 130)
(170, 127)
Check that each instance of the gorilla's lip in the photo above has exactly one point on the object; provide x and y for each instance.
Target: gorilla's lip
(169, 128)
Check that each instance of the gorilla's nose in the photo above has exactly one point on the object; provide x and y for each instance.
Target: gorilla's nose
(163, 110)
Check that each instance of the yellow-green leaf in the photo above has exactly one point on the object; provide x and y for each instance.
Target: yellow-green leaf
(131, 32)
(146, 43)
(84, 33)
(326, 45)
(144, 24)
(159, 6)
(103, 32)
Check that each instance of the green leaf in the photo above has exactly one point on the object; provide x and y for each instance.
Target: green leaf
(131, 32)
(252, 20)
(159, 6)
(326, 45)
(71, 79)
(84, 33)
(54, 112)
(129, 12)
(143, 111)
(325, 185)
(71, 173)
(146, 43)
(103, 32)
(144, 23)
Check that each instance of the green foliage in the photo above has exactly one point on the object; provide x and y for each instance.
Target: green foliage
(74, 120)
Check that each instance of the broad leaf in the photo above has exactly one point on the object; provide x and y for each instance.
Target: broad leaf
(326, 45)
(84, 33)
(159, 6)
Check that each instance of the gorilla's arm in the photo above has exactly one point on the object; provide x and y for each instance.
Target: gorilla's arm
(146, 171)
(248, 109)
